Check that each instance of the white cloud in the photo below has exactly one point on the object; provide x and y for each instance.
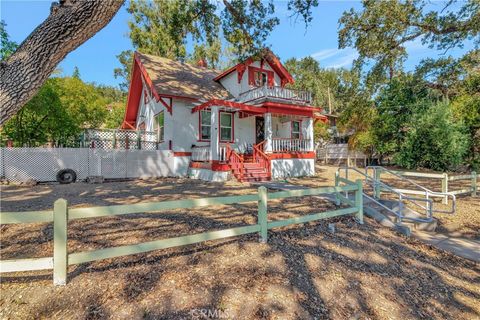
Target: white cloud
(343, 61)
(324, 54)
(335, 58)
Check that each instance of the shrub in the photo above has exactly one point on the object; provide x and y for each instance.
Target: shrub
(434, 141)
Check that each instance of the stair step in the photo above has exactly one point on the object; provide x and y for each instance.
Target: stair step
(254, 179)
(252, 165)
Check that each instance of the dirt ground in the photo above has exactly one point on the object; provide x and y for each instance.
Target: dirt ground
(302, 272)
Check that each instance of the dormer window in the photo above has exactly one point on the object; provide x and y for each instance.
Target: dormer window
(259, 77)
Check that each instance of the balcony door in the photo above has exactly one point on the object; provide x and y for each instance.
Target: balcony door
(259, 129)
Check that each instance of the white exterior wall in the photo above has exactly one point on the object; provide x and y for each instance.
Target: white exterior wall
(181, 166)
(208, 175)
(281, 130)
(284, 168)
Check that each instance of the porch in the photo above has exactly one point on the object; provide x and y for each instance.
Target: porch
(249, 147)
(246, 150)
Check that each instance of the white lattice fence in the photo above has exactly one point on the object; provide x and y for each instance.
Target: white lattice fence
(42, 164)
(120, 139)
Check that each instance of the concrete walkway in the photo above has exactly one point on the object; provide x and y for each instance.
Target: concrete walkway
(462, 247)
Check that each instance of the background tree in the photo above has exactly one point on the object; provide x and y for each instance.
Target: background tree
(76, 73)
(171, 28)
(71, 23)
(7, 47)
(60, 111)
(382, 30)
(434, 140)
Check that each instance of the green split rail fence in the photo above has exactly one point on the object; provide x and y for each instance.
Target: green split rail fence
(61, 215)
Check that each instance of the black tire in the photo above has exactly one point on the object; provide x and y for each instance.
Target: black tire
(66, 176)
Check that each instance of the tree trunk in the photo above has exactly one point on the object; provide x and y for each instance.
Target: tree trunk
(70, 23)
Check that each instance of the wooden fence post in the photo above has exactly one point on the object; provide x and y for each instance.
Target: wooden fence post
(337, 198)
(359, 201)
(376, 176)
(445, 187)
(262, 213)
(474, 183)
(60, 254)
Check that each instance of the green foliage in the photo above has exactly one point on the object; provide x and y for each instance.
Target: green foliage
(210, 53)
(116, 113)
(126, 60)
(321, 132)
(42, 119)
(62, 109)
(434, 141)
(382, 31)
(169, 28)
(7, 47)
(397, 104)
(466, 108)
(76, 73)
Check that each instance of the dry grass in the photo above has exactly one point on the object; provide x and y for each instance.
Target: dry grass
(302, 272)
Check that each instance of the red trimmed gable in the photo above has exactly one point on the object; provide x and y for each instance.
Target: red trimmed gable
(272, 60)
(133, 99)
(135, 92)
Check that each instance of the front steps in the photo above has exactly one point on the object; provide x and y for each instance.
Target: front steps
(252, 171)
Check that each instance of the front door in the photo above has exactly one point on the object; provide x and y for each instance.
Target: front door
(259, 129)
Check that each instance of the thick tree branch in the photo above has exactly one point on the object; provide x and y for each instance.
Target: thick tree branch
(70, 23)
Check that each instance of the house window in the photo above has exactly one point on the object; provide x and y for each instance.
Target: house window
(295, 129)
(205, 124)
(226, 126)
(260, 78)
(158, 125)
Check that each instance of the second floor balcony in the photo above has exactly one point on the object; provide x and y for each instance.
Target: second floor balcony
(278, 94)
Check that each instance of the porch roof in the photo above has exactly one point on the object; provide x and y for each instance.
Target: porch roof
(266, 107)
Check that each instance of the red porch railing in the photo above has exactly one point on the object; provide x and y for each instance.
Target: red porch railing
(260, 157)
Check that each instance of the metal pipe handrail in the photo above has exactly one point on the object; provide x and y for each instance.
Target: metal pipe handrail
(401, 196)
(428, 192)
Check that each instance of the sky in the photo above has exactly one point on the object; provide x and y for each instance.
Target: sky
(96, 58)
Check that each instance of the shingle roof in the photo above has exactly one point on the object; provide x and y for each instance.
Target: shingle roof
(171, 77)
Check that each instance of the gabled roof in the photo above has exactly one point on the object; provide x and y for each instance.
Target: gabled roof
(173, 78)
(272, 60)
(169, 78)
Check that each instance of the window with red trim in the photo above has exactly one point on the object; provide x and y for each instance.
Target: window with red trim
(226, 126)
(259, 77)
(295, 130)
(159, 125)
(205, 125)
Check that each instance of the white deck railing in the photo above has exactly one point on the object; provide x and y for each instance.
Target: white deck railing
(201, 153)
(223, 153)
(277, 93)
(290, 145)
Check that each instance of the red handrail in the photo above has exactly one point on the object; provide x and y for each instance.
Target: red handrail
(235, 161)
(260, 157)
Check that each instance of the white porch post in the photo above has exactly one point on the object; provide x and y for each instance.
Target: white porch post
(214, 127)
(310, 134)
(268, 132)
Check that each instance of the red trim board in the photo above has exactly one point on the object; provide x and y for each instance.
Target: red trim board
(297, 155)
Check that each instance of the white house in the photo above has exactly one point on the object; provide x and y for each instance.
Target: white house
(242, 121)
